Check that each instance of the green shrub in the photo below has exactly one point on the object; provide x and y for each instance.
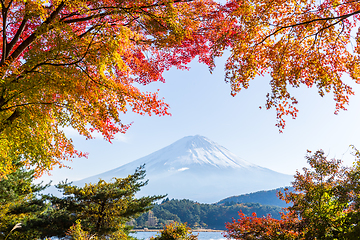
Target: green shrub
(175, 231)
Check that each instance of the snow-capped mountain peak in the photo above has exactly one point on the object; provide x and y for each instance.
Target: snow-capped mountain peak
(197, 168)
(194, 151)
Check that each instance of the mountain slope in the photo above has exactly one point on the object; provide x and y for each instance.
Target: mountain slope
(197, 168)
(268, 197)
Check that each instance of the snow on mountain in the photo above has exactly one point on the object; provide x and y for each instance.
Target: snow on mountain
(188, 151)
(199, 169)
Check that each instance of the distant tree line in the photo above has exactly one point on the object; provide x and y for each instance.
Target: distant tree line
(266, 197)
(200, 215)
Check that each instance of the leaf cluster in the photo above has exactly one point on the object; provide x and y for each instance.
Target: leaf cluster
(324, 205)
(76, 64)
(298, 43)
(175, 231)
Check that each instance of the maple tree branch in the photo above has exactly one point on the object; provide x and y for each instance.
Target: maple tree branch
(84, 19)
(69, 63)
(91, 78)
(27, 104)
(10, 3)
(333, 7)
(342, 30)
(133, 18)
(315, 35)
(59, 64)
(27, 42)
(88, 31)
(140, 23)
(116, 9)
(342, 17)
(4, 12)
(33, 69)
(9, 120)
(153, 17)
(4, 33)
(3, 102)
(17, 36)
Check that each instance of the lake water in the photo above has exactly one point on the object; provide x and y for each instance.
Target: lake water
(202, 235)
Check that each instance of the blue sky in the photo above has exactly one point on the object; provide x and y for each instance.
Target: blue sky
(201, 104)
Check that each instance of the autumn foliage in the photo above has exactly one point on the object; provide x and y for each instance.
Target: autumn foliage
(76, 64)
(308, 42)
(324, 205)
(253, 227)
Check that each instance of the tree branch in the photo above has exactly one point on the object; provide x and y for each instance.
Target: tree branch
(27, 42)
(116, 9)
(4, 36)
(342, 17)
(10, 120)
(17, 36)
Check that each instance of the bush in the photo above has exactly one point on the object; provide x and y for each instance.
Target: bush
(175, 231)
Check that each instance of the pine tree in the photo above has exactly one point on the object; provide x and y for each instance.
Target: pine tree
(104, 208)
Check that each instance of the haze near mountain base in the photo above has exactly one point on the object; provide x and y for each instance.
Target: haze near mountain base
(198, 169)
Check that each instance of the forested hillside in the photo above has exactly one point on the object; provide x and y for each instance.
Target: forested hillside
(263, 197)
(198, 215)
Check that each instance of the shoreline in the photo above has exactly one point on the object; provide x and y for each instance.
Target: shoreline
(193, 230)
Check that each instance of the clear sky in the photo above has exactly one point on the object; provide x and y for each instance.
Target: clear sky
(201, 104)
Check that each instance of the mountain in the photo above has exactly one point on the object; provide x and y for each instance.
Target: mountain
(268, 197)
(198, 169)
